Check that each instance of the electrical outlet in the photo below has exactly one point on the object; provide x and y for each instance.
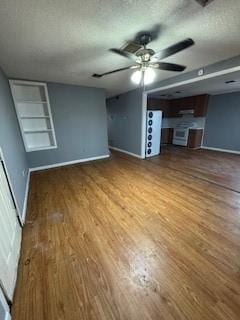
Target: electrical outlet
(23, 173)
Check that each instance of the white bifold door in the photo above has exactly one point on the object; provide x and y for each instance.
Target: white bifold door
(10, 237)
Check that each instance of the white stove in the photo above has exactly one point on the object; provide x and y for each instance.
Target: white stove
(181, 132)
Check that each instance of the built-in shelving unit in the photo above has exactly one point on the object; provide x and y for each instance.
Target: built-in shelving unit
(34, 114)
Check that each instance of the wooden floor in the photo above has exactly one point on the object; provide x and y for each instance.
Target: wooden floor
(220, 168)
(132, 239)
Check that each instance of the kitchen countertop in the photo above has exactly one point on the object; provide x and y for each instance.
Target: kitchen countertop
(189, 128)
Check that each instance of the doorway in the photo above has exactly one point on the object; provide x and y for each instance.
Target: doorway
(209, 84)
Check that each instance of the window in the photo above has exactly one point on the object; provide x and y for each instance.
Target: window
(34, 114)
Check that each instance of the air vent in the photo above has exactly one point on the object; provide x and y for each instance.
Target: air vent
(204, 3)
(131, 47)
(230, 81)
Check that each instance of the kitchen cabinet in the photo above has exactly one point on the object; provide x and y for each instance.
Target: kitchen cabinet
(201, 106)
(195, 138)
(171, 108)
(163, 105)
(197, 103)
(166, 135)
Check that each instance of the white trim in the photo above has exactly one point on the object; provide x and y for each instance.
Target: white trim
(42, 148)
(221, 150)
(196, 79)
(24, 211)
(50, 116)
(27, 82)
(144, 125)
(127, 152)
(61, 164)
(177, 84)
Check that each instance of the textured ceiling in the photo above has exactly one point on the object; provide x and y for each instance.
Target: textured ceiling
(68, 40)
(211, 86)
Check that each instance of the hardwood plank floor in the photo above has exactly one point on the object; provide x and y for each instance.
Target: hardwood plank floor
(220, 168)
(129, 239)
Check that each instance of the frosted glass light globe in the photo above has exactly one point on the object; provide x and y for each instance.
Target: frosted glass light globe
(149, 76)
(136, 77)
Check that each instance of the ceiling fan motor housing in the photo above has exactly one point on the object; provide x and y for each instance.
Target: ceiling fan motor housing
(204, 3)
(145, 54)
(145, 38)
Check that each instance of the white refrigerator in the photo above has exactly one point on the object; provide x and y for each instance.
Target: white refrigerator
(153, 136)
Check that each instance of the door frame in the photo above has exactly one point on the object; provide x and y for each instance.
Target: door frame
(2, 159)
(173, 85)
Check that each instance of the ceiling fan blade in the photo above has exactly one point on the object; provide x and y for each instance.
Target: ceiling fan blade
(174, 49)
(167, 66)
(122, 53)
(95, 75)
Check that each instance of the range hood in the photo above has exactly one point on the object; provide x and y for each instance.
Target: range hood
(186, 111)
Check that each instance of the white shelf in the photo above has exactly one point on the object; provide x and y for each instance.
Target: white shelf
(34, 117)
(34, 114)
(37, 131)
(31, 102)
(30, 149)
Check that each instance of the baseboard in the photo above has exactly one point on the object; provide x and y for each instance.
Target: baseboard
(221, 150)
(127, 152)
(24, 211)
(61, 164)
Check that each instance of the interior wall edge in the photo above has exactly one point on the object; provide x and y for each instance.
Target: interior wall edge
(127, 152)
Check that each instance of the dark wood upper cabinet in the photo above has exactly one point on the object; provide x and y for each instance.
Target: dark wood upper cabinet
(171, 108)
(161, 104)
(201, 105)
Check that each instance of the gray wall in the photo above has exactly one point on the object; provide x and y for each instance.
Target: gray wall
(80, 121)
(11, 143)
(125, 121)
(222, 129)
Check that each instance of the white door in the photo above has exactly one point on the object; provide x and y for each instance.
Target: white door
(4, 308)
(10, 237)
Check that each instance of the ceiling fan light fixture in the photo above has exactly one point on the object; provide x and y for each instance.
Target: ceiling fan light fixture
(149, 75)
(136, 77)
(145, 74)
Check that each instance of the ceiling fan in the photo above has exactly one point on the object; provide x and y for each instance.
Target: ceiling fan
(146, 59)
(204, 3)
